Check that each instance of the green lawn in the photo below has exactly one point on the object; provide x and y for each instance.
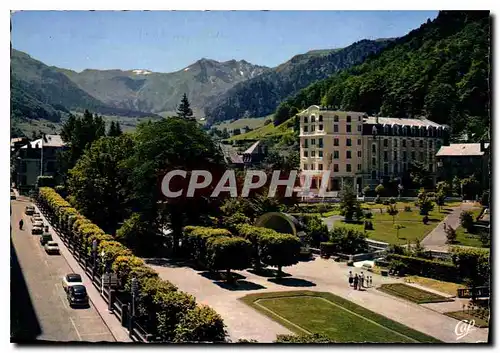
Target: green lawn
(413, 229)
(441, 286)
(480, 321)
(266, 130)
(339, 319)
(252, 123)
(413, 294)
(467, 239)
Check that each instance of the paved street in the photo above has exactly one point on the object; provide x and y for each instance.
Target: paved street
(40, 309)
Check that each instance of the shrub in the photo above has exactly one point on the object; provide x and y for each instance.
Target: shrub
(279, 250)
(201, 324)
(467, 220)
(451, 235)
(393, 211)
(485, 198)
(195, 240)
(407, 209)
(472, 263)
(123, 265)
(132, 230)
(316, 230)
(440, 270)
(224, 253)
(368, 215)
(149, 287)
(254, 234)
(378, 199)
(348, 240)
(170, 309)
(425, 219)
(385, 203)
(392, 200)
(313, 338)
(366, 190)
(141, 273)
(45, 181)
(327, 248)
(380, 189)
(369, 225)
(112, 250)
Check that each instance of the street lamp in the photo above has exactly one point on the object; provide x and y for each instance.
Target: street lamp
(134, 288)
(94, 255)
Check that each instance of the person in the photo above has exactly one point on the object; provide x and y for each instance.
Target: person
(356, 280)
(351, 278)
(361, 280)
(21, 223)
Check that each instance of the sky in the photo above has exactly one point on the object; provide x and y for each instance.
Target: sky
(167, 41)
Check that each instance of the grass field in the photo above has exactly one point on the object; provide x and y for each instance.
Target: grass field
(252, 123)
(266, 130)
(467, 239)
(479, 321)
(384, 230)
(305, 312)
(413, 294)
(441, 286)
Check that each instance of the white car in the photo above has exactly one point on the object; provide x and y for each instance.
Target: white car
(71, 279)
(52, 247)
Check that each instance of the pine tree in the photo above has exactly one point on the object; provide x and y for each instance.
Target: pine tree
(114, 129)
(184, 109)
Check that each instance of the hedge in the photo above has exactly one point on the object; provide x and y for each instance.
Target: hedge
(472, 263)
(165, 311)
(195, 240)
(440, 270)
(226, 253)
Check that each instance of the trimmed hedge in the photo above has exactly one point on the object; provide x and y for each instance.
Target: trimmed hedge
(225, 253)
(196, 238)
(440, 270)
(162, 309)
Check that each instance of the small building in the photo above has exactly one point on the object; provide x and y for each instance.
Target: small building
(231, 156)
(463, 160)
(37, 158)
(254, 154)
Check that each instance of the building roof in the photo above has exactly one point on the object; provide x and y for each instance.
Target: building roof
(461, 149)
(15, 140)
(48, 141)
(402, 121)
(252, 149)
(230, 154)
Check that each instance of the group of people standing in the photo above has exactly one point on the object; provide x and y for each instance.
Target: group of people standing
(359, 281)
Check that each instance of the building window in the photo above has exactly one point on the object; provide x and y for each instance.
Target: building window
(313, 142)
(374, 148)
(306, 144)
(335, 128)
(348, 128)
(395, 154)
(421, 143)
(313, 119)
(413, 143)
(404, 155)
(320, 154)
(305, 120)
(396, 169)
(348, 154)
(359, 142)
(386, 155)
(438, 144)
(320, 127)
(320, 118)
(347, 167)
(336, 119)
(374, 174)
(306, 154)
(313, 128)
(404, 143)
(395, 143)
(359, 167)
(431, 155)
(413, 155)
(431, 168)
(320, 142)
(305, 167)
(306, 129)
(386, 142)
(421, 156)
(336, 168)
(23, 167)
(386, 169)
(359, 128)
(359, 117)
(348, 118)
(335, 154)
(320, 166)
(405, 167)
(348, 142)
(430, 144)
(359, 154)
(335, 142)
(374, 161)
(313, 153)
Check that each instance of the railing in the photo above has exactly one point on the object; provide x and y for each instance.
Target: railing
(480, 292)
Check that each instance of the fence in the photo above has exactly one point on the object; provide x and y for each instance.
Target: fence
(480, 292)
(93, 268)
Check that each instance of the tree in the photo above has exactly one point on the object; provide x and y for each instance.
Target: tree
(420, 175)
(201, 324)
(425, 203)
(366, 190)
(279, 250)
(393, 211)
(184, 109)
(398, 227)
(440, 199)
(99, 181)
(225, 253)
(379, 190)
(282, 114)
(136, 234)
(224, 134)
(236, 132)
(348, 240)
(443, 187)
(316, 230)
(350, 207)
(467, 220)
(114, 129)
(451, 234)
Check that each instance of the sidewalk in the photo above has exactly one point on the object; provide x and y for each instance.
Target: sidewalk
(117, 330)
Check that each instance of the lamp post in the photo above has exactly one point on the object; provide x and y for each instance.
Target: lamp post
(134, 288)
(94, 256)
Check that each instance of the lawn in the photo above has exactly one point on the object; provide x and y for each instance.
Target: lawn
(341, 320)
(480, 320)
(413, 294)
(252, 123)
(467, 239)
(266, 130)
(384, 230)
(441, 286)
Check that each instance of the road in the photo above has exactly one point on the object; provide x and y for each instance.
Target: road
(39, 308)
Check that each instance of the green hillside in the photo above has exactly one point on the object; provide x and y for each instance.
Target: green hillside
(440, 70)
(267, 131)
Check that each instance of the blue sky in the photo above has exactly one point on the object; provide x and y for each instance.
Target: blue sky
(166, 41)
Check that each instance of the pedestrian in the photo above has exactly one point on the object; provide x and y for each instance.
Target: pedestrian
(351, 278)
(361, 280)
(356, 281)
(21, 223)
(371, 281)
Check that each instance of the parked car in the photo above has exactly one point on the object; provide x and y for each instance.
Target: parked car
(37, 229)
(71, 279)
(36, 218)
(51, 247)
(77, 296)
(29, 210)
(12, 196)
(45, 238)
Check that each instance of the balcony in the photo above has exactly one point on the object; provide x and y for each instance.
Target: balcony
(312, 133)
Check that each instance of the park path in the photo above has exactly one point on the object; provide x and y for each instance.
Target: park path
(316, 275)
(436, 239)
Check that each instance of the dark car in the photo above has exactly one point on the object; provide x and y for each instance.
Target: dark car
(45, 238)
(77, 296)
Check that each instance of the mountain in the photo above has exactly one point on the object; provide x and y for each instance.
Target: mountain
(42, 92)
(440, 70)
(261, 95)
(161, 92)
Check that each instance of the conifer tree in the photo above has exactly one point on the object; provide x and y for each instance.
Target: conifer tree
(184, 110)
